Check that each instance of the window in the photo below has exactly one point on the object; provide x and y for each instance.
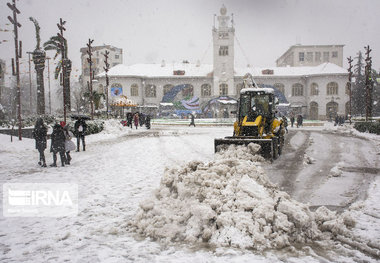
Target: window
(188, 91)
(334, 54)
(239, 87)
(223, 89)
(223, 51)
(326, 56)
(314, 90)
(301, 56)
(206, 90)
(116, 56)
(309, 56)
(167, 88)
(280, 87)
(150, 91)
(332, 88)
(318, 56)
(134, 90)
(297, 90)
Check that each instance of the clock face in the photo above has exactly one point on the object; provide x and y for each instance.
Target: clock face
(223, 23)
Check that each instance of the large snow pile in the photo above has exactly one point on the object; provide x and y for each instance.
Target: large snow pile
(230, 202)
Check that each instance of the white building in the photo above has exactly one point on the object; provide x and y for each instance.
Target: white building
(317, 92)
(115, 57)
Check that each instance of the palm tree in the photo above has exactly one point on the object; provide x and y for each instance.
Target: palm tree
(96, 96)
(54, 44)
(39, 57)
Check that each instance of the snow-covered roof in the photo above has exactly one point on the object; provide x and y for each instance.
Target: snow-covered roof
(159, 70)
(181, 70)
(267, 90)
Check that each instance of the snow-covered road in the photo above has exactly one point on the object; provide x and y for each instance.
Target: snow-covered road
(120, 169)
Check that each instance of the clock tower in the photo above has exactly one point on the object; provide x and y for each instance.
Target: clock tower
(223, 44)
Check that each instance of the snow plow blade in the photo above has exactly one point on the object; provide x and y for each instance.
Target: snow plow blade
(268, 151)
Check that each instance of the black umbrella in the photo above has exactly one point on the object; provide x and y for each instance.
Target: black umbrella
(80, 116)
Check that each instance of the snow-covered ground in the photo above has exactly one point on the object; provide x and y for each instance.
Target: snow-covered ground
(121, 169)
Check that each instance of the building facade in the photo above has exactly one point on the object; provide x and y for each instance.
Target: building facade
(311, 55)
(315, 91)
(115, 57)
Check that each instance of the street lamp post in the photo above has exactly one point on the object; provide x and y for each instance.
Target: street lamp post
(18, 53)
(89, 84)
(106, 68)
(48, 59)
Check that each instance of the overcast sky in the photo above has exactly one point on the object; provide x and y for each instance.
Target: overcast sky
(150, 31)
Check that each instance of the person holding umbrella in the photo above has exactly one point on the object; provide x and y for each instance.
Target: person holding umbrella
(80, 128)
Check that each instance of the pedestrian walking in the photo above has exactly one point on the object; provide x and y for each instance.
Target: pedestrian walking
(192, 122)
(147, 122)
(58, 144)
(285, 121)
(129, 119)
(136, 120)
(299, 120)
(69, 144)
(40, 135)
(292, 119)
(80, 128)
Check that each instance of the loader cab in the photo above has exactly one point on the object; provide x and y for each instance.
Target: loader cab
(256, 101)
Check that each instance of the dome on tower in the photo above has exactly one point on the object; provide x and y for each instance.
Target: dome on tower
(223, 10)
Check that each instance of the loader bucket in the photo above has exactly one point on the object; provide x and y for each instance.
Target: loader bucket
(268, 146)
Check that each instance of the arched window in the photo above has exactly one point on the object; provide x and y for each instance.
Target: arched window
(332, 88)
(188, 91)
(223, 89)
(297, 90)
(116, 89)
(239, 87)
(167, 88)
(314, 90)
(331, 110)
(313, 111)
(134, 90)
(150, 91)
(206, 90)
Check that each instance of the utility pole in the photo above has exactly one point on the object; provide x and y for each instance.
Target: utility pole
(89, 84)
(63, 55)
(18, 53)
(350, 85)
(48, 59)
(368, 83)
(106, 68)
(30, 82)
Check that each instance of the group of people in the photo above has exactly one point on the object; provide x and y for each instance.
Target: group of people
(339, 120)
(61, 142)
(138, 119)
(299, 119)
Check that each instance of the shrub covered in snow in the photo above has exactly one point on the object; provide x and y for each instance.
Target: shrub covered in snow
(230, 202)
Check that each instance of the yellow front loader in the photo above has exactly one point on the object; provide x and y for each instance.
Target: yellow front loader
(256, 122)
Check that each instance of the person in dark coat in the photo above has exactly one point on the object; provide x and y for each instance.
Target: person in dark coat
(58, 144)
(192, 122)
(69, 145)
(299, 120)
(292, 119)
(129, 119)
(80, 128)
(147, 121)
(285, 121)
(40, 134)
